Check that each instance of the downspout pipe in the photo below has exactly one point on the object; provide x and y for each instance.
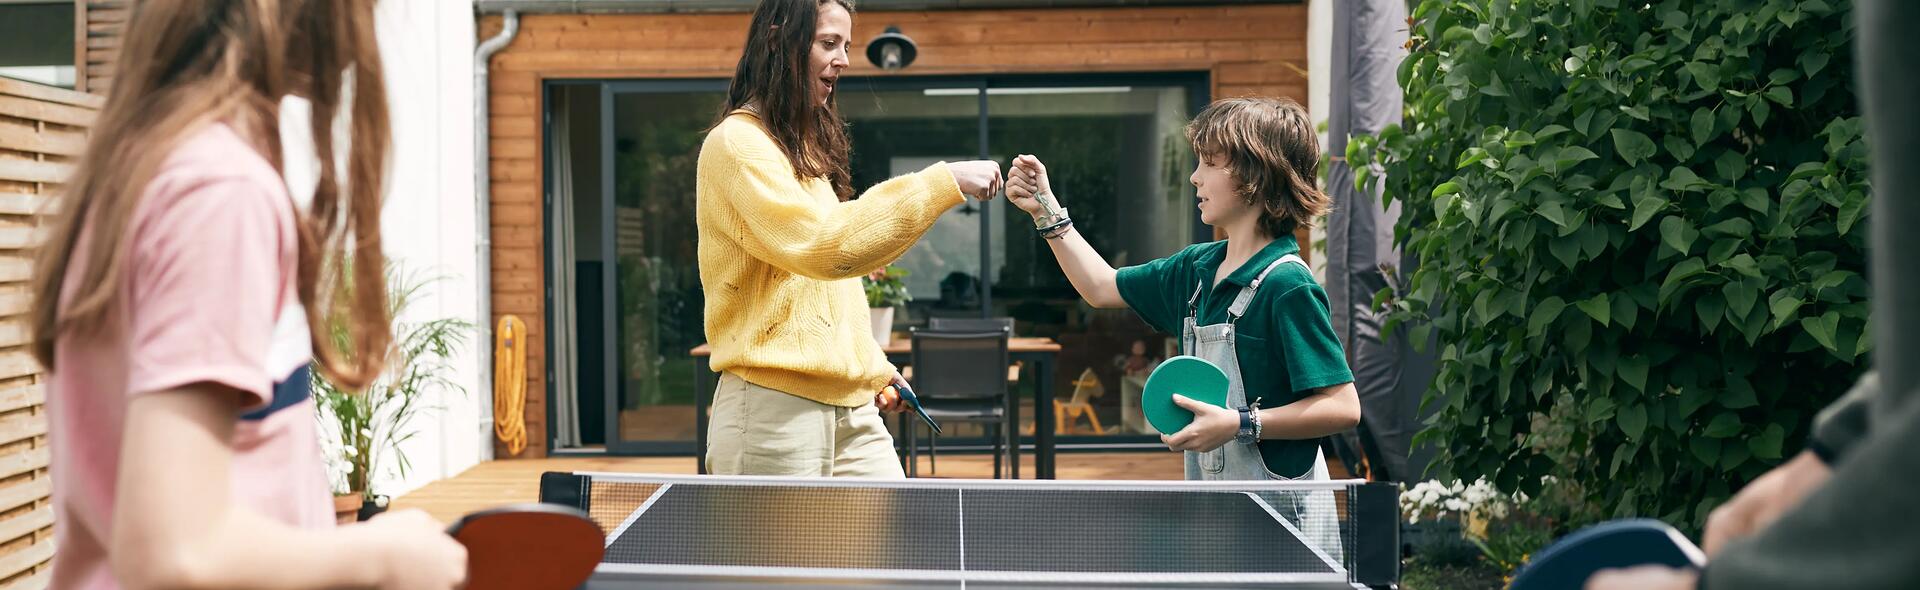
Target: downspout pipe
(483, 221)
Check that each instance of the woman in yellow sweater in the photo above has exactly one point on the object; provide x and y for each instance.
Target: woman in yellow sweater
(783, 241)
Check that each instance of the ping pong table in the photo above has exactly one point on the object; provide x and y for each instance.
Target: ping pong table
(705, 531)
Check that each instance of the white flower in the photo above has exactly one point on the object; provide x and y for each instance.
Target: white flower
(1476, 495)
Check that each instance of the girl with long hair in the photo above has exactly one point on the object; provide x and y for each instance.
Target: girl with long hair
(178, 303)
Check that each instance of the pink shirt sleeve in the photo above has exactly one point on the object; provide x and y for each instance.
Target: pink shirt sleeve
(208, 281)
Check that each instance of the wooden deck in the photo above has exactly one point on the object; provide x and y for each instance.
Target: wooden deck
(501, 482)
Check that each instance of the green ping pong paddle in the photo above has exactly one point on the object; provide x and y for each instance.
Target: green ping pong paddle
(1190, 376)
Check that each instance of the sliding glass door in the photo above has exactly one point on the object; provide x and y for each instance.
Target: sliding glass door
(622, 226)
(1117, 156)
(903, 126)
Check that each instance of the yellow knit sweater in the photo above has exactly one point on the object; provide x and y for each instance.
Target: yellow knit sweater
(780, 260)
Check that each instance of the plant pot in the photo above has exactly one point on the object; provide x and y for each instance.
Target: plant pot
(882, 324)
(371, 509)
(346, 508)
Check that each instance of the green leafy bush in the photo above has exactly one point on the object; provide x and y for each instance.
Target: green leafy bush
(1641, 237)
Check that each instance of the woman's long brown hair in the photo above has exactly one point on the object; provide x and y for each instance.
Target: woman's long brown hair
(185, 64)
(774, 77)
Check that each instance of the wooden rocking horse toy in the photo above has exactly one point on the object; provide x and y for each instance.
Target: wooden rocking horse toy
(1067, 415)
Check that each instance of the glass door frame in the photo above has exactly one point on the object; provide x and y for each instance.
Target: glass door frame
(616, 442)
(1196, 84)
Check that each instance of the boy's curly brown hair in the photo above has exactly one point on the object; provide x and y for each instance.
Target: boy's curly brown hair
(1270, 148)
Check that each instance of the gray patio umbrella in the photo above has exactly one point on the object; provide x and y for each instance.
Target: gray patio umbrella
(1369, 38)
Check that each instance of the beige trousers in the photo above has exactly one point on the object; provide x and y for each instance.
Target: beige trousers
(754, 430)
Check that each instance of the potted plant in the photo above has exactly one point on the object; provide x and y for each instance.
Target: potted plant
(362, 431)
(886, 290)
(346, 502)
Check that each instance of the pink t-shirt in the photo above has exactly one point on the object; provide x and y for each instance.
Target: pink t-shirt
(208, 298)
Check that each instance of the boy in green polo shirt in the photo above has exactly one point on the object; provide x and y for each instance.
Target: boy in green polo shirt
(1247, 303)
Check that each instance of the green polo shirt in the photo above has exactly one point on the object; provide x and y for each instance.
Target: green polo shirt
(1285, 342)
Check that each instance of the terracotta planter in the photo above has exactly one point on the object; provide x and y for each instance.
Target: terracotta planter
(346, 508)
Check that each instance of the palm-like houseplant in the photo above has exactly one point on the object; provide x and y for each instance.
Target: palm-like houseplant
(364, 430)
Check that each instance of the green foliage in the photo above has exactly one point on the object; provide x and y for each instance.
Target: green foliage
(1511, 543)
(1641, 232)
(363, 429)
(887, 288)
(1421, 573)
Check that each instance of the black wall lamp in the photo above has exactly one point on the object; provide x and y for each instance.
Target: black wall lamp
(891, 50)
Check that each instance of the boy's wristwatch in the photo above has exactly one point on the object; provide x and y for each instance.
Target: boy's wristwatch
(1249, 432)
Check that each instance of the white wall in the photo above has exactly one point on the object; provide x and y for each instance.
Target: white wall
(428, 221)
(429, 217)
(1319, 61)
(1319, 96)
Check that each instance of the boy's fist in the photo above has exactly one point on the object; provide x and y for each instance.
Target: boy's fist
(1028, 189)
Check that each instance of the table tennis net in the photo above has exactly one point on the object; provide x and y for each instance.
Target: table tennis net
(1015, 529)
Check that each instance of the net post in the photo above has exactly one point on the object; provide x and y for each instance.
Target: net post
(565, 488)
(1376, 530)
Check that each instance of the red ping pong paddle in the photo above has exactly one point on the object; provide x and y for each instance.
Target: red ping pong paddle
(529, 547)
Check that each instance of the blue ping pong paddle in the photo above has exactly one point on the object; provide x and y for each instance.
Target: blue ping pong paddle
(1568, 563)
(913, 401)
(529, 547)
(1190, 376)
